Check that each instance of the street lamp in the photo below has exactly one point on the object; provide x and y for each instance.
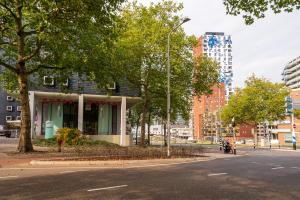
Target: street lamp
(168, 82)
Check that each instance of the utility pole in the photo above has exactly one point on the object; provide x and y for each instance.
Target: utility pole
(168, 83)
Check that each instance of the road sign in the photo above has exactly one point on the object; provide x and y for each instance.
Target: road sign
(288, 105)
(294, 125)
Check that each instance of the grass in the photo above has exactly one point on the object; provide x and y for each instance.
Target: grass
(84, 142)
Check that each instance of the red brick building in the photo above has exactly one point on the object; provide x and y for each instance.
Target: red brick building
(206, 107)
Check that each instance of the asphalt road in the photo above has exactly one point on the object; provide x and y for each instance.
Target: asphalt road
(263, 174)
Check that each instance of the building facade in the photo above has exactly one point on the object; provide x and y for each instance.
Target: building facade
(207, 113)
(100, 114)
(218, 46)
(10, 109)
(206, 108)
(284, 131)
(291, 74)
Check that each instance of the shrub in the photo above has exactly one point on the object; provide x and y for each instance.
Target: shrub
(68, 136)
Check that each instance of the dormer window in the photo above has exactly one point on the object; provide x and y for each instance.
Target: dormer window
(8, 118)
(9, 98)
(66, 83)
(48, 81)
(111, 86)
(9, 108)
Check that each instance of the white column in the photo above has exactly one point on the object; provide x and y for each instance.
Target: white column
(80, 112)
(38, 129)
(32, 113)
(123, 122)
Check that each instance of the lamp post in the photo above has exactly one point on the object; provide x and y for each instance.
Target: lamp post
(168, 83)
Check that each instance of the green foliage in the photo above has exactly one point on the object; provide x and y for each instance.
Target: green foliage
(297, 113)
(38, 36)
(52, 142)
(97, 143)
(206, 75)
(143, 45)
(82, 141)
(68, 136)
(259, 101)
(255, 9)
(73, 35)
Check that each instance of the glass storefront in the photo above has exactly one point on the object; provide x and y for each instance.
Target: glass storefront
(98, 119)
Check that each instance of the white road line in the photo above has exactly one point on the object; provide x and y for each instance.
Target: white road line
(66, 172)
(277, 168)
(295, 167)
(3, 177)
(218, 174)
(254, 162)
(107, 188)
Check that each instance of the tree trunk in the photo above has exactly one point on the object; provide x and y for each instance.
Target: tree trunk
(165, 131)
(149, 126)
(25, 144)
(136, 131)
(144, 116)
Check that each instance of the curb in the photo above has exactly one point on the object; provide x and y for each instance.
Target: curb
(122, 163)
(118, 163)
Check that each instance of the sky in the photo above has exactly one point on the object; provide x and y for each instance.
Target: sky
(263, 48)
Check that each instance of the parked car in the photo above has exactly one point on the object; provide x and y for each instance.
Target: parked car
(5, 133)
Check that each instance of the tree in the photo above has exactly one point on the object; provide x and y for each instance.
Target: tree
(54, 35)
(260, 101)
(144, 42)
(255, 9)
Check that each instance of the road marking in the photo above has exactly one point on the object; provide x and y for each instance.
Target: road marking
(3, 177)
(277, 168)
(107, 188)
(295, 167)
(66, 172)
(218, 174)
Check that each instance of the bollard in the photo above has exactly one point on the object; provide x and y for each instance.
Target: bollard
(254, 145)
(270, 146)
(279, 146)
(234, 149)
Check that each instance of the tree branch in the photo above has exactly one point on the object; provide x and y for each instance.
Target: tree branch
(34, 53)
(27, 33)
(2, 43)
(8, 9)
(11, 68)
(44, 66)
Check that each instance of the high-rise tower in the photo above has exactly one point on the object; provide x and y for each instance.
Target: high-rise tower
(218, 46)
(206, 108)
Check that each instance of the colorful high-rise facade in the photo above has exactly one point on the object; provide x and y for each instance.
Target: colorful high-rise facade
(206, 108)
(218, 46)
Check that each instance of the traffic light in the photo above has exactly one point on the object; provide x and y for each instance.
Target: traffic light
(288, 105)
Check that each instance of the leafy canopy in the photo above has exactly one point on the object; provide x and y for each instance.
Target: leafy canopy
(259, 101)
(70, 35)
(143, 42)
(255, 9)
